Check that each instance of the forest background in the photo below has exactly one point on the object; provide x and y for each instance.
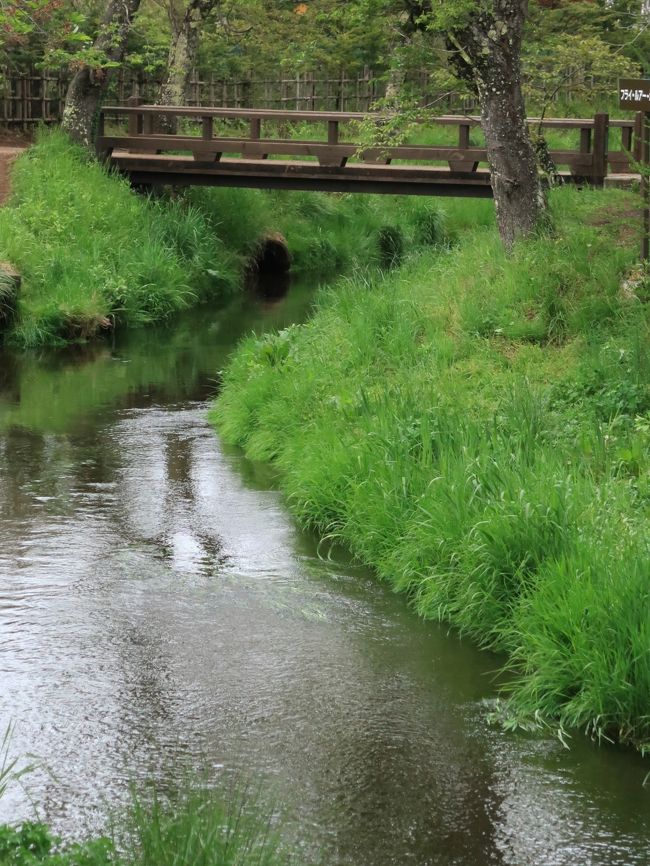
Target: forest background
(579, 47)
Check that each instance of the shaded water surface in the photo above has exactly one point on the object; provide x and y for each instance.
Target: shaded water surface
(159, 610)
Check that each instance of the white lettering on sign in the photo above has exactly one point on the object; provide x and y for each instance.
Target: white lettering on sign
(634, 95)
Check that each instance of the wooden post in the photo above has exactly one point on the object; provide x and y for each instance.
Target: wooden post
(135, 119)
(601, 135)
(333, 132)
(22, 96)
(645, 188)
(463, 143)
(626, 138)
(638, 136)
(634, 94)
(101, 152)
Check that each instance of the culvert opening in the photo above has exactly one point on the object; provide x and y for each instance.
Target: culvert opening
(271, 257)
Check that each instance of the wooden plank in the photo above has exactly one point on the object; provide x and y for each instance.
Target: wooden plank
(572, 157)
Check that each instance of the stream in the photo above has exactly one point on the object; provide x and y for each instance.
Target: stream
(161, 613)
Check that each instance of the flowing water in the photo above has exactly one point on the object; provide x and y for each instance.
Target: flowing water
(160, 610)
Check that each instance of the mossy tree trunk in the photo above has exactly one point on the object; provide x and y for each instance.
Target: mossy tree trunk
(88, 84)
(488, 50)
(183, 51)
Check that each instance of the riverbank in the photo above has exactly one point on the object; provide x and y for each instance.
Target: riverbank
(477, 429)
(95, 255)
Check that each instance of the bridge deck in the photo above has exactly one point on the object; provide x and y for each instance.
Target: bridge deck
(152, 169)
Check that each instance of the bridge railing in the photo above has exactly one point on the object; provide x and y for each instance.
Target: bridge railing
(202, 135)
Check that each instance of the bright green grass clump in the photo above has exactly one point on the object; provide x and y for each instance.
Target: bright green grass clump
(91, 252)
(477, 428)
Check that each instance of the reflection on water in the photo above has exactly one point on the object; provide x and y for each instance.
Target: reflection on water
(159, 608)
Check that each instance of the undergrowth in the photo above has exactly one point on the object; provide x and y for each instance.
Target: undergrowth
(477, 428)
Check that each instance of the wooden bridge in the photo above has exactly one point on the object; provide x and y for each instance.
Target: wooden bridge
(227, 147)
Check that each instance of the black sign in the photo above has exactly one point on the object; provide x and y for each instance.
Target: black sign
(634, 93)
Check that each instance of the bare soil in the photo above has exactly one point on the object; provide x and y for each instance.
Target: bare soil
(7, 156)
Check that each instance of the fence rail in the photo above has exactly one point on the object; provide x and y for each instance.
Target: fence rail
(37, 96)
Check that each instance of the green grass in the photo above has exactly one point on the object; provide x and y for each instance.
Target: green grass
(91, 252)
(328, 234)
(94, 254)
(194, 825)
(199, 827)
(477, 428)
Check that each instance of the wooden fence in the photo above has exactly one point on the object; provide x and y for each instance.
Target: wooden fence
(37, 96)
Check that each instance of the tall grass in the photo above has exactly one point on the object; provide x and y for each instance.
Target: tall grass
(7, 297)
(12, 770)
(92, 252)
(197, 827)
(477, 428)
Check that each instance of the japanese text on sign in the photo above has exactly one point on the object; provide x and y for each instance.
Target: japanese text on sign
(634, 93)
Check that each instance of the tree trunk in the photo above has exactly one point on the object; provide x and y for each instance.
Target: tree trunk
(489, 50)
(182, 59)
(88, 84)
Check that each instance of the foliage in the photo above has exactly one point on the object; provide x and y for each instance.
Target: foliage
(476, 428)
(391, 36)
(33, 845)
(585, 65)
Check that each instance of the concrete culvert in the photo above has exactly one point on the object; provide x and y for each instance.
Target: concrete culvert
(271, 256)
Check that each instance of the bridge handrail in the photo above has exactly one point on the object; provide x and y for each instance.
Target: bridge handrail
(344, 116)
(589, 160)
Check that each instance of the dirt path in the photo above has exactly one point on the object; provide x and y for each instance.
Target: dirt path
(7, 156)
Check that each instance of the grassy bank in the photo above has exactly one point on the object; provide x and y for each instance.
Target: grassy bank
(93, 254)
(477, 428)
